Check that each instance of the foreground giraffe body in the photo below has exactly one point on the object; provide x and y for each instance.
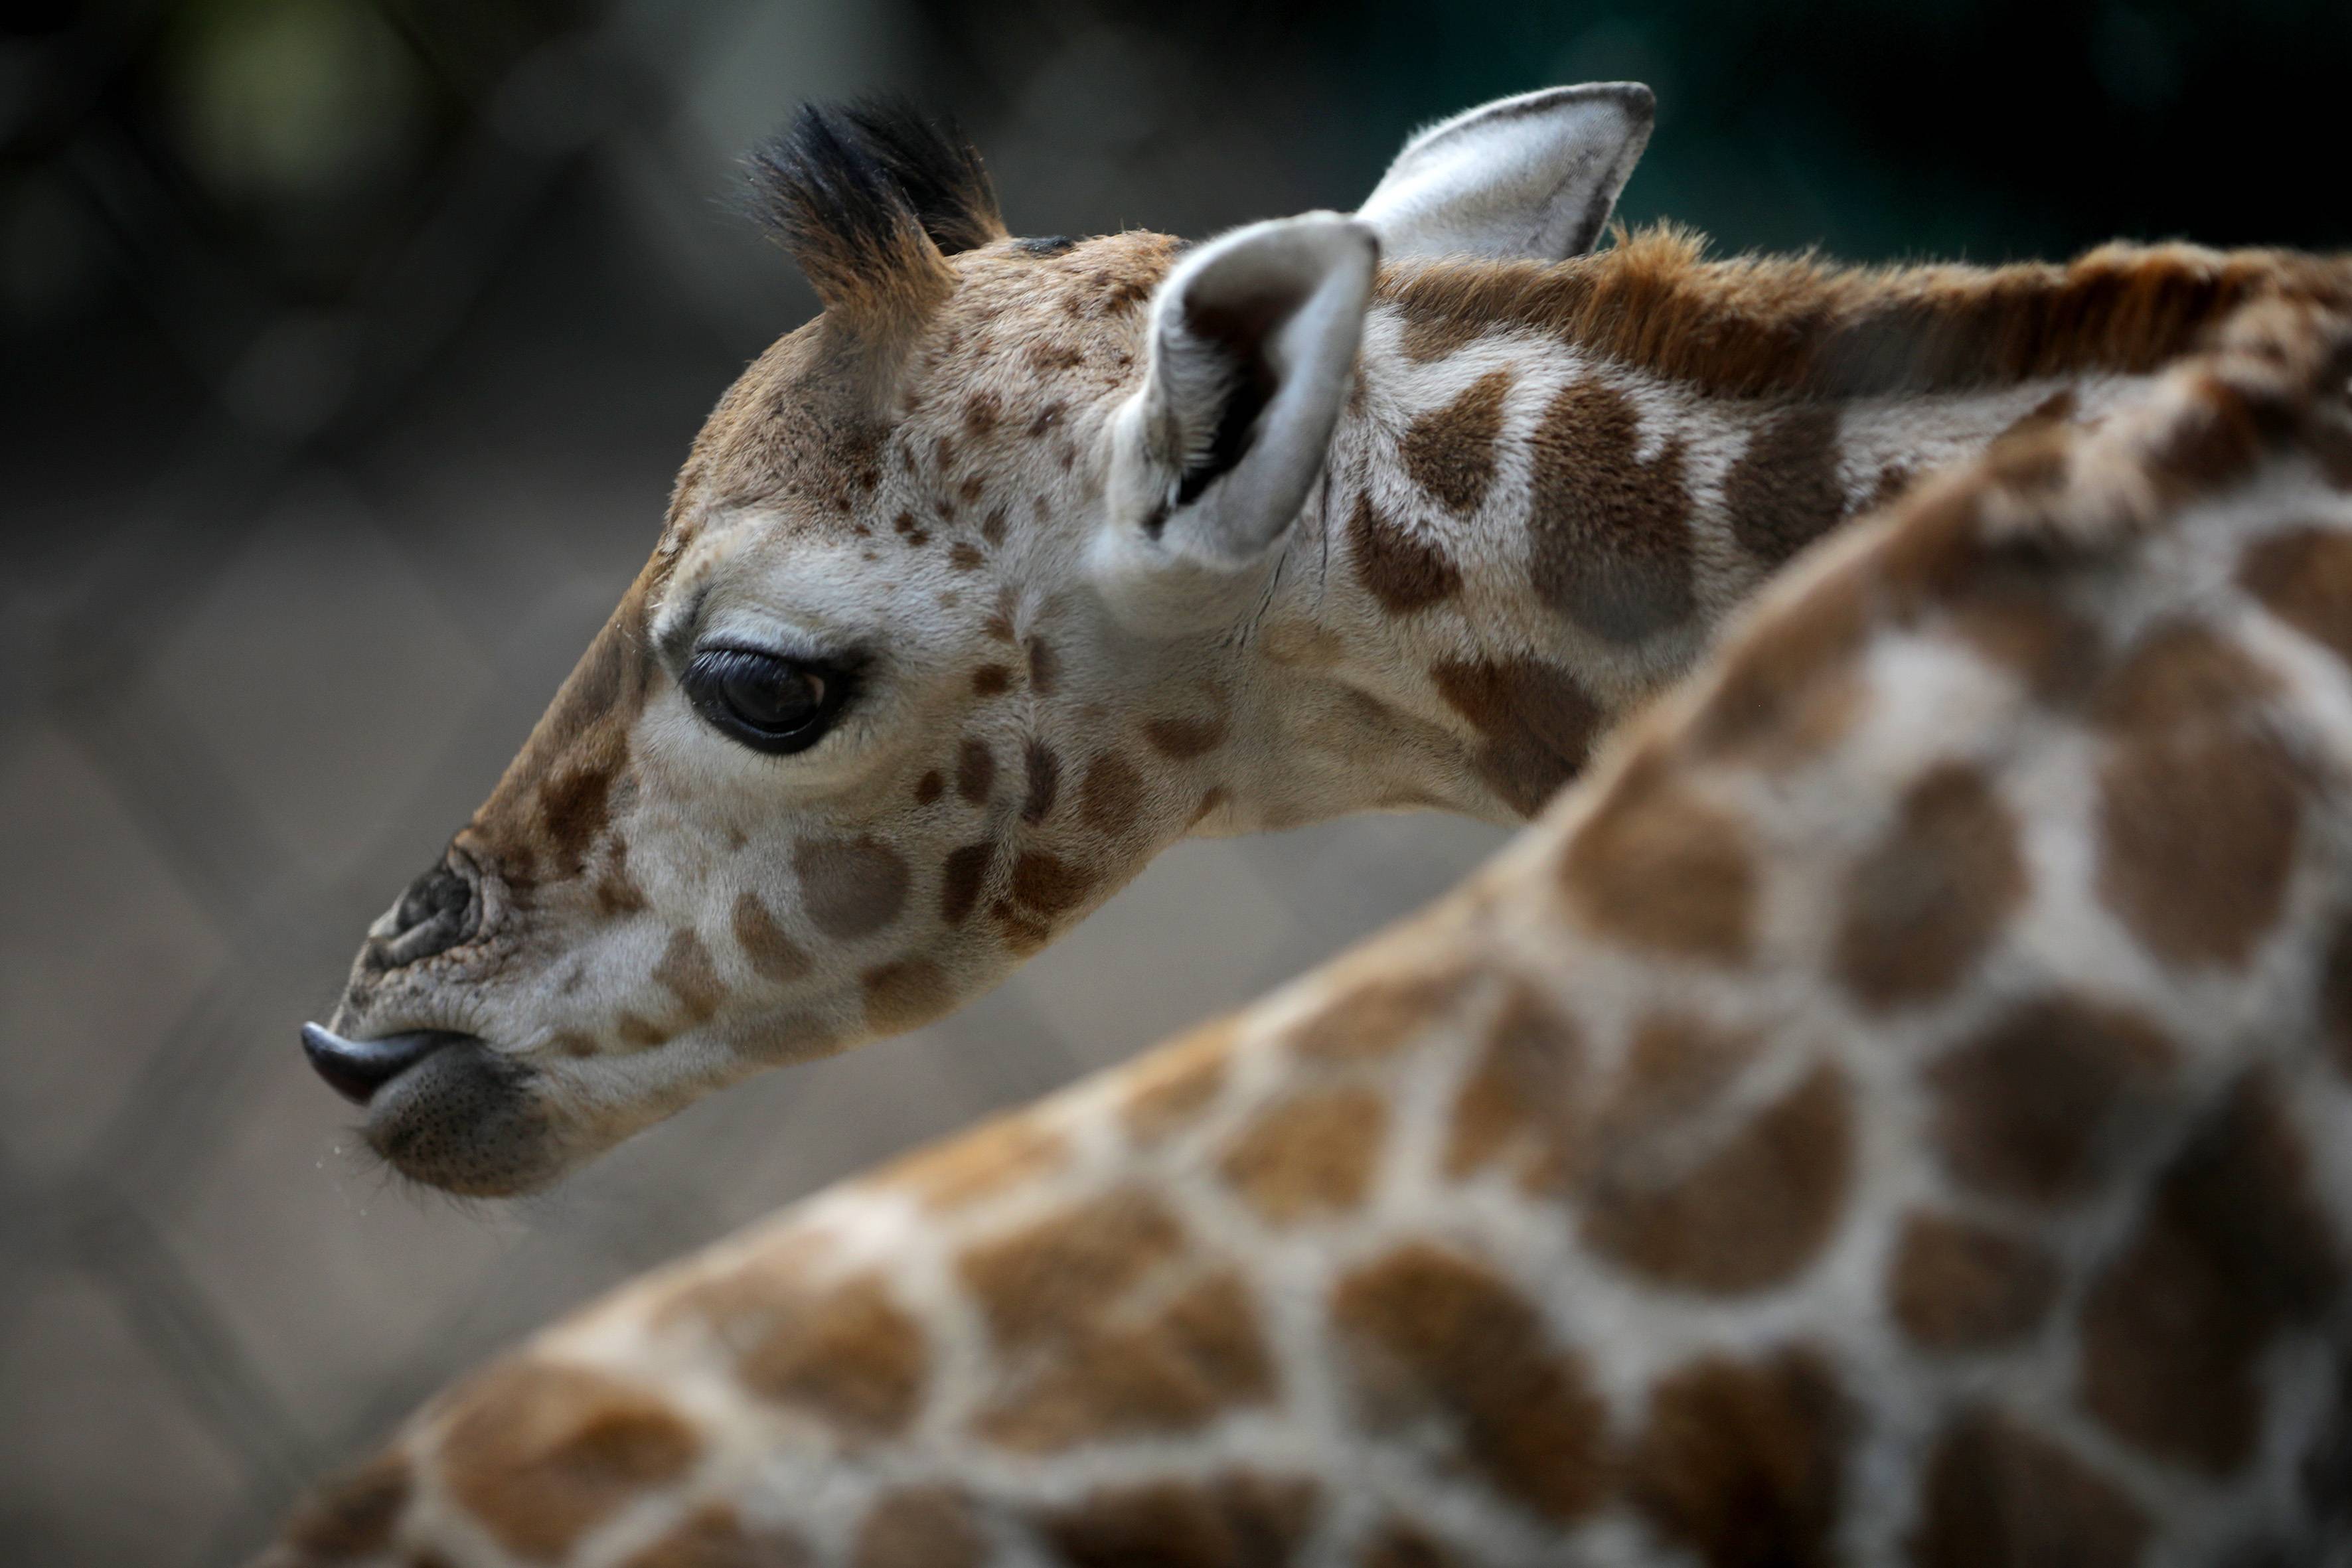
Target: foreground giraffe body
(1897, 1109)
(1028, 558)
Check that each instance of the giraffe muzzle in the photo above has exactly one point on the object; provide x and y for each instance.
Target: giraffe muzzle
(438, 911)
(357, 1068)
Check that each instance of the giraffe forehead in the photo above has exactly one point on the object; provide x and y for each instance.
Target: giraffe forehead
(762, 569)
(1026, 328)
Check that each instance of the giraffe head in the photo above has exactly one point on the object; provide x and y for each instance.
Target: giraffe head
(944, 637)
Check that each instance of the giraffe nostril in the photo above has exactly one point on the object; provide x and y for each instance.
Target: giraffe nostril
(357, 1068)
(440, 911)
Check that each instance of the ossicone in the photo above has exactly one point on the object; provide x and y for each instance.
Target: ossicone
(871, 198)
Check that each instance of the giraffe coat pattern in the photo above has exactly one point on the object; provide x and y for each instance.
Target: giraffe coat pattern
(1640, 1201)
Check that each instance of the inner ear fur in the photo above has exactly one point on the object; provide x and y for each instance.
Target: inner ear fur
(1534, 176)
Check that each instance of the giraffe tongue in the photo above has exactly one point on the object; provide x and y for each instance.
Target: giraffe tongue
(357, 1068)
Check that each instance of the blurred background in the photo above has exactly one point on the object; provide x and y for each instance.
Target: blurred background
(349, 347)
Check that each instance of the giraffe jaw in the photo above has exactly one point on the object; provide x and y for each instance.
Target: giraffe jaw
(445, 1108)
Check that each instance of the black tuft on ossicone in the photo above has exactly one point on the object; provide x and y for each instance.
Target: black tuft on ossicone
(854, 190)
(940, 171)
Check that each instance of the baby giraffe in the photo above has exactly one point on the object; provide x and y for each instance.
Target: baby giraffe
(1029, 557)
(1896, 1110)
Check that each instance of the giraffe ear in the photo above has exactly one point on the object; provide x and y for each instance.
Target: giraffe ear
(1534, 176)
(1253, 345)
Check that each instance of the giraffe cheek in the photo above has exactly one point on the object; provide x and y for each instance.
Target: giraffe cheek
(850, 888)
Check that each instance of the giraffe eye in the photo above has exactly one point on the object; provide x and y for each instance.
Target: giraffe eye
(769, 703)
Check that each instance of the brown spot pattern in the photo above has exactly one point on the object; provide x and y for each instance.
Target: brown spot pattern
(1959, 1286)
(2200, 812)
(1789, 688)
(1927, 901)
(1537, 720)
(1240, 1521)
(1373, 1017)
(1110, 794)
(981, 410)
(1784, 491)
(1049, 884)
(2303, 576)
(354, 1514)
(975, 772)
(850, 1356)
(1174, 1370)
(1313, 1153)
(1742, 1211)
(540, 1452)
(1045, 1282)
(920, 1527)
(2177, 675)
(1044, 666)
(1182, 740)
(558, 792)
(574, 806)
(1742, 1462)
(1401, 1543)
(1173, 1085)
(1431, 1336)
(1064, 357)
(2020, 621)
(1450, 451)
(849, 888)
(1020, 934)
(1044, 786)
(1519, 1105)
(1609, 534)
(1995, 1492)
(2232, 1249)
(902, 995)
(714, 1536)
(773, 955)
(1405, 571)
(687, 973)
(2035, 1106)
(1893, 480)
(617, 894)
(961, 879)
(1655, 867)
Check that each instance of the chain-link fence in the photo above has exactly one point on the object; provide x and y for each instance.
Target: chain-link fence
(350, 346)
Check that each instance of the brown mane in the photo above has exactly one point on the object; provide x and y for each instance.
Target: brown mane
(1757, 326)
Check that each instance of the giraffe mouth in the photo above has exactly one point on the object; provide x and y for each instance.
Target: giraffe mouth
(445, 1108)
(356, 1069)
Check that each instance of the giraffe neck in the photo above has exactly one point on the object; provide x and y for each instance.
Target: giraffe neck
(1552, 483)
(1773, 1159)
